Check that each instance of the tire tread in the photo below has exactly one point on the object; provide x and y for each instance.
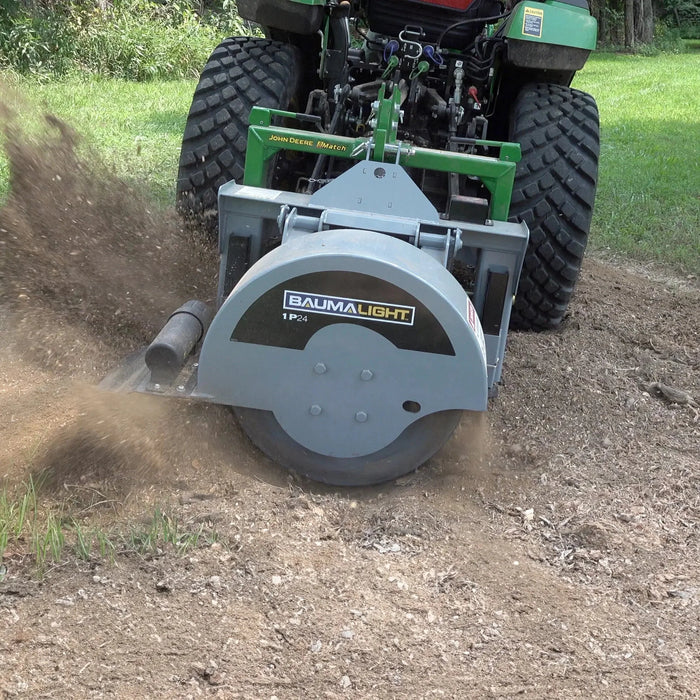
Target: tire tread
(555, 183)
(242, 72)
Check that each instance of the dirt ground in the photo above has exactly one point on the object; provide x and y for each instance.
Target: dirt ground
(550, 550)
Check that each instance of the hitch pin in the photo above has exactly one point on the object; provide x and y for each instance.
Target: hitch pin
(364, 146)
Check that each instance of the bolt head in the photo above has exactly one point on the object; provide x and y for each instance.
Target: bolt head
(361, 417)
(315, 410)
(320, 368)
(366, 375)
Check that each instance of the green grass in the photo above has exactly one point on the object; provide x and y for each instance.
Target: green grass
(647, 205)
(45, 534)
(135, 127)
(25, 525)
(648, 195)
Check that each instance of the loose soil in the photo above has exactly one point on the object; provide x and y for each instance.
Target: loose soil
(549, 550)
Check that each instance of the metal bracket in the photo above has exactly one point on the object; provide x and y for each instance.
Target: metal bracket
(264, 141)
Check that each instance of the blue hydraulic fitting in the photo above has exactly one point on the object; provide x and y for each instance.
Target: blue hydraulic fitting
(390, 49)
(435, 57)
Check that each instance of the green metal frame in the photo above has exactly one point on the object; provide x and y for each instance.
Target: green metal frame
(552, 22)
(265, 140)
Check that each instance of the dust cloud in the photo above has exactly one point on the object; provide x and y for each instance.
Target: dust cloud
(87, 263)
(89, 271)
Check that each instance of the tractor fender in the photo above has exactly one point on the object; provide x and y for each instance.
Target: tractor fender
(550, 35)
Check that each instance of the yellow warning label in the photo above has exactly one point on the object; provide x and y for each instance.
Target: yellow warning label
(532, 22)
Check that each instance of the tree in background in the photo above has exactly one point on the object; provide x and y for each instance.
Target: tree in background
(33, 32)
(624, 22)
(683, 15)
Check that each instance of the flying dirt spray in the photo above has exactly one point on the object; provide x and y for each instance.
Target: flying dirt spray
(88, 268)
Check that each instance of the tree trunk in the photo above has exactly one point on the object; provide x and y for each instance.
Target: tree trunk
(643, 21)
(648, 28)
(629, 23)
(599, 11)
(638, 17)
(607, 32)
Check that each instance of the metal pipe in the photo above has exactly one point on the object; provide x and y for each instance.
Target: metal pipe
(167, 353)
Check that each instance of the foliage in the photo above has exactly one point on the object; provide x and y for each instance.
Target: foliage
(671, 21)
(685, 16)
(667, 39)
(131, 39)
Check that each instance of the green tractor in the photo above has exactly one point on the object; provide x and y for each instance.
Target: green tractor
(395, 183)
(468, 72)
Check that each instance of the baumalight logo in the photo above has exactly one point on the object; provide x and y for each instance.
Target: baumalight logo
(349, 308)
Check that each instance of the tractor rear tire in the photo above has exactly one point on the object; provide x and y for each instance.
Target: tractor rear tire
(555, 183)
(242, 72)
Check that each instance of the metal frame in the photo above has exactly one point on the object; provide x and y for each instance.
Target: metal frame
(265, 140)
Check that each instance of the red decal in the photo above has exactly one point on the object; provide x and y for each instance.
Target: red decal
(471, 314)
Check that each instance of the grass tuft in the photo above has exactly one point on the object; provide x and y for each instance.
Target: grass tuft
(92, 543)
(46, 536)
(163, 531)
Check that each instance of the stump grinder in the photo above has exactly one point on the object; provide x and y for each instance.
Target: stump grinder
(394, 184)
